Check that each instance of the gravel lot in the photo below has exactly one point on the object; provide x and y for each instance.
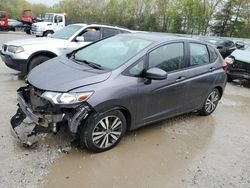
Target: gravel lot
(187, 151)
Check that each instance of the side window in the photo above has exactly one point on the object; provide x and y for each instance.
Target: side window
(169, 57)
(198, 54)
(108, 32)
(213, 54)
(91, 34)
(59, 19)
(138, 68)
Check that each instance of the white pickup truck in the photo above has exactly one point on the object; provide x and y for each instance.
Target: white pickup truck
(24, 55)
(52, 23)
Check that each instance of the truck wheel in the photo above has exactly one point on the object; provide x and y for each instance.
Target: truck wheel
(47, 32)
(37, 61)
(102, 132)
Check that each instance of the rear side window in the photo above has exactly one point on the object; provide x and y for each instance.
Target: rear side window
(108, 32)
(213, 54)
(198, 54)
(169, 57)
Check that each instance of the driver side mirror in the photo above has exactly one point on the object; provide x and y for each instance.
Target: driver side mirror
(156, 74)
(79, 39)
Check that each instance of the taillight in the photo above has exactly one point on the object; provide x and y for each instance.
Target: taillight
(224, 65)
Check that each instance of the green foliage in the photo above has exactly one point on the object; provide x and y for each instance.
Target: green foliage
(15, 8)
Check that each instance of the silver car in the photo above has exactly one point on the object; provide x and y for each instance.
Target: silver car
(24, 55)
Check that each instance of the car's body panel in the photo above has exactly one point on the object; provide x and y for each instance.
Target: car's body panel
(142, 100)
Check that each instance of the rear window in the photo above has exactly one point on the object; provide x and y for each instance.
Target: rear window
(213, 54)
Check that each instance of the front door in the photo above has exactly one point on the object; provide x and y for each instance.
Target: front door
(90, 34)
(164, 98)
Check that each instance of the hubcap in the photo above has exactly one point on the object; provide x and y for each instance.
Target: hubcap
(107, 131)
(212, 101)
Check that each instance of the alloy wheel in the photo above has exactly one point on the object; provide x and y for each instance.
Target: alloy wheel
(212, 101)
(107, 131)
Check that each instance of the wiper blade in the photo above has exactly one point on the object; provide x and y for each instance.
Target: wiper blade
(89, 63)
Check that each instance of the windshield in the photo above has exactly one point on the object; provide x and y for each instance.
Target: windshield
(112, 52)
(67, 32)
(48, 18)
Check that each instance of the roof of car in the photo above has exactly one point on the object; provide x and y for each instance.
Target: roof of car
(159, 37)
(102, 25)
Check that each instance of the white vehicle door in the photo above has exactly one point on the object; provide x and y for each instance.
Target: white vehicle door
(87, 36)
(58, 22)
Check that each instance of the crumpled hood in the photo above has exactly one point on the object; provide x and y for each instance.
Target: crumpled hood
(37, 41)
(62, 74)
(241, 55)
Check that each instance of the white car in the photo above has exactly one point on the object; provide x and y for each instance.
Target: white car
(24, 55)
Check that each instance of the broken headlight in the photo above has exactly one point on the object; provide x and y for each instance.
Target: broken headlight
(66, 98)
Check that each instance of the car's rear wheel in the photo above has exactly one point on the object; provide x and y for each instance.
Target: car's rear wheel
(210, 103)
(37, 61)
(103, 132)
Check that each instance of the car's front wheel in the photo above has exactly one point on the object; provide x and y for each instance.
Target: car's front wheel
(102, 132)
(37, 61)
(211, 102)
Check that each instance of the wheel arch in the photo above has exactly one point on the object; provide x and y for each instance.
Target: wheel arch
(220, 89)
(123, 110)
(39, 53)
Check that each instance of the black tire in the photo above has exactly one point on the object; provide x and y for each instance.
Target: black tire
(229, 79)
(47, 32)
(210, 103)
(37, 61)
(90, 132)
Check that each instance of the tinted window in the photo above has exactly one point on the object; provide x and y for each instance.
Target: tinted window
(169, 57)
(112, 52)
(213, 54)
(108, 32)
(58, 19)
(198, 54)
(229, 44)
(91, 34)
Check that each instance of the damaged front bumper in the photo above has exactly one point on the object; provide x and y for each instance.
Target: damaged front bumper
(29, 121)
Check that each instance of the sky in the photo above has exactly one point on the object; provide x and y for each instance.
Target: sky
(46, 2)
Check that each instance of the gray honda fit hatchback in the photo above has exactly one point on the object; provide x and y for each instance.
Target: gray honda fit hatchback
(118, 84)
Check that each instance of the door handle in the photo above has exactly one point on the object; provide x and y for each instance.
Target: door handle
(181, 78)
(211, 69)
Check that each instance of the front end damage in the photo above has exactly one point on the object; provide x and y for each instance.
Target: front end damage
(36, 115)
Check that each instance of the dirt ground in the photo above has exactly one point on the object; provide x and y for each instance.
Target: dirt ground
(186, 151)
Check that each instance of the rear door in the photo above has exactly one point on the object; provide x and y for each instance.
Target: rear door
(202, 65)
(109, 32)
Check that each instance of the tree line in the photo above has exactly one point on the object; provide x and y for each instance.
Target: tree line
(200, 17)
